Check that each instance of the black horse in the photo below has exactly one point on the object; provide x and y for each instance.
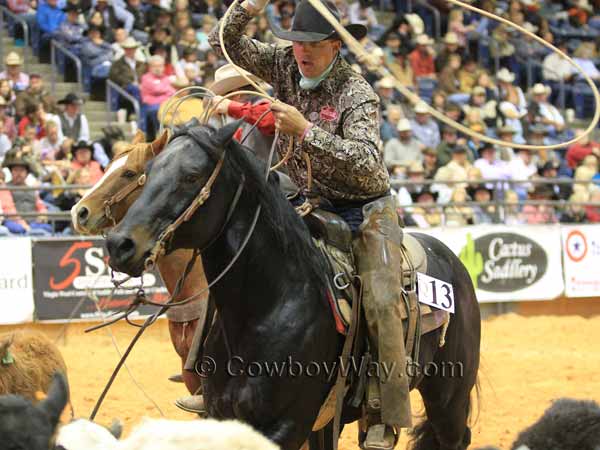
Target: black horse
(272, 306)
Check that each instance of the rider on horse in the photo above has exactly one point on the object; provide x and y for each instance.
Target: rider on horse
(332, 114)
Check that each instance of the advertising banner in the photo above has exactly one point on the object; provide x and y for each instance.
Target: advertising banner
(508, 263)
(16, 287)
(72, 280)
(581, 260)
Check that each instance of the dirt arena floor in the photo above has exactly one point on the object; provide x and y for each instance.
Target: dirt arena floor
(526, 363)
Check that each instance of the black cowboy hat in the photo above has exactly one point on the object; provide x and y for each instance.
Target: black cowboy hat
(17, 158)
(548, 165)
(69, 99)
(425, 191)
(72, 8)
(471, 190)
(80, 145)
(310, 26)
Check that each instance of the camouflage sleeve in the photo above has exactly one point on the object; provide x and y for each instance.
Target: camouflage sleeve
(254, 56)
(357, 152)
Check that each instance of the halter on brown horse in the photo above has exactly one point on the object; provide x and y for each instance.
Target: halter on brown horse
(106, 204)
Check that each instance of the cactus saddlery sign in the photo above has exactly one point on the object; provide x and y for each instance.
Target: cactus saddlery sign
(509, 263)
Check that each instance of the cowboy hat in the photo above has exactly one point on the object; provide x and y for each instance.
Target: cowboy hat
(415, 22)
(70, 99)
(540, 89)
(426, 191)
(403, 125)
(421, 108)
(130, 43)
(506, 129)
(385, 83)
(478, 90)
(451, 38)
(228, 79)
(505, 75)
(415, 167)
(310, 26)
(81, 145)
(72, 8)
(16, 159)
(13, 59)
(423, 39)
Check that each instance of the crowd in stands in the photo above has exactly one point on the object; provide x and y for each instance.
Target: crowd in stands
(484, 75)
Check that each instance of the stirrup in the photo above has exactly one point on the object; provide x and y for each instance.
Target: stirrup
(381, 437)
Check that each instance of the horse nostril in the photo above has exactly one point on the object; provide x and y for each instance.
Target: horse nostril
(126, 246)
(82, 215)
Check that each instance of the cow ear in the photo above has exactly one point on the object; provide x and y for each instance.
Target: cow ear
(139, 138)
(55, 402)
(160, 142)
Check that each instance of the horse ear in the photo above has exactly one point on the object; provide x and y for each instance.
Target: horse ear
(160, 142)
(224, 135)
(58, 396)
(139, 138)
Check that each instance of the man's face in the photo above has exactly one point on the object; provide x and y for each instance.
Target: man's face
(314, 57)
(550, 173)
(386, 92)
(405, 135)
(422, 118)
(53, 134)
(52, 3)
(83, 155)
(539, 98)
(459, 157)
(452, 48)
(130, 52)
(393, 43)
(525, 156)
(72, 109)
(488, 154)
(429, 159)
(72, 16)
(19, 173)
(482, 195)
(394, 116)
(13, 69)
(449, 137)
(507, 137)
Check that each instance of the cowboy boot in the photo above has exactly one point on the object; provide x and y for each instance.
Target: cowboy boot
(193, 403)
(377, 251)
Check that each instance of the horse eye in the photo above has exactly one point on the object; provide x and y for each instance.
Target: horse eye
(129, 174)
(191, 178)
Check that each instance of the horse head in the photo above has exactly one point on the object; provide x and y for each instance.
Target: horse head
(102, 206)
(174, 180)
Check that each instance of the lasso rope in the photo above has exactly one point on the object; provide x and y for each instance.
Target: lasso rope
(359, 50)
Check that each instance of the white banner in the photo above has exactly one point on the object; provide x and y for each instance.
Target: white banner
(581, 260)
(16, 287)
(508, 263)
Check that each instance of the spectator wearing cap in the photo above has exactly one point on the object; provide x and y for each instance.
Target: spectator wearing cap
(49, 17)
(24, 201)
(127, 71)
(8, 122)
(96, 53)
(387, 93)
(421, 58)
(549, 115)
(450, 47)
(35, 93)
(448, 142)
(388, 128)
(73, 122)
(580, 149)
(549, 170)
(155, 89)
(82, 158)
(404, 149)
(19, 81)
(424, 128)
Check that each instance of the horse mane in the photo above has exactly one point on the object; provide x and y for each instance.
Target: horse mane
(289, 231)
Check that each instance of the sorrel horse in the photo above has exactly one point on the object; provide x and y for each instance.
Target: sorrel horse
(271, 305)
(90, 216)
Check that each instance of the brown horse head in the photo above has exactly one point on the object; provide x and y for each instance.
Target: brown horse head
(106, 203)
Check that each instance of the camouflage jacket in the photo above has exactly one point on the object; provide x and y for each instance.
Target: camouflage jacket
(345, 155)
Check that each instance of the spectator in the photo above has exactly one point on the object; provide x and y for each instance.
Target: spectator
(477, 110)
(82, 159)
(549, 170)
(362, 12)
(540, 213)
(457, 213)
(447, 144)
(139, 32)
(450, 47)
(26, 9)
(421, 58)
(424, 128)
(449, 82)
(576, 211)
(512, 213)
(127, 71)
(7, 93)
(456, 25)
(5, 143)
(549, 115)
(415, 175)
(491, 167)
(71, 32)
(424, 211)
(402, 150)
(96, 53)
(392, 43)
(579, 150)
(155, 89)
(430, 162)
(35, 93)
(468, 75)
(401, 69)
(208, 23)
(482, 214)
(522, 168)
(188, 41)
(19, 81)
(506, 133)
(74, 124)
(49, 18)
(24, 201)
(50, 146)
(555, 67)
(36, 116)
(121, 36)
(114, 16)
(585, 56)
(8, 123)
(388, 128)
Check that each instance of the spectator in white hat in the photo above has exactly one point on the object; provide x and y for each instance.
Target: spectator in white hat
(403, 149)
(424, 128)
(421, 58)
(549, 115)
(19, 81)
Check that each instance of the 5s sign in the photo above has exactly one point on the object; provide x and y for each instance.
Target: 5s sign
(68, 260)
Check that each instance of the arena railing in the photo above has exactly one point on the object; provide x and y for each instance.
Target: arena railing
(56, 47)
(26, 33)
(112, 87)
